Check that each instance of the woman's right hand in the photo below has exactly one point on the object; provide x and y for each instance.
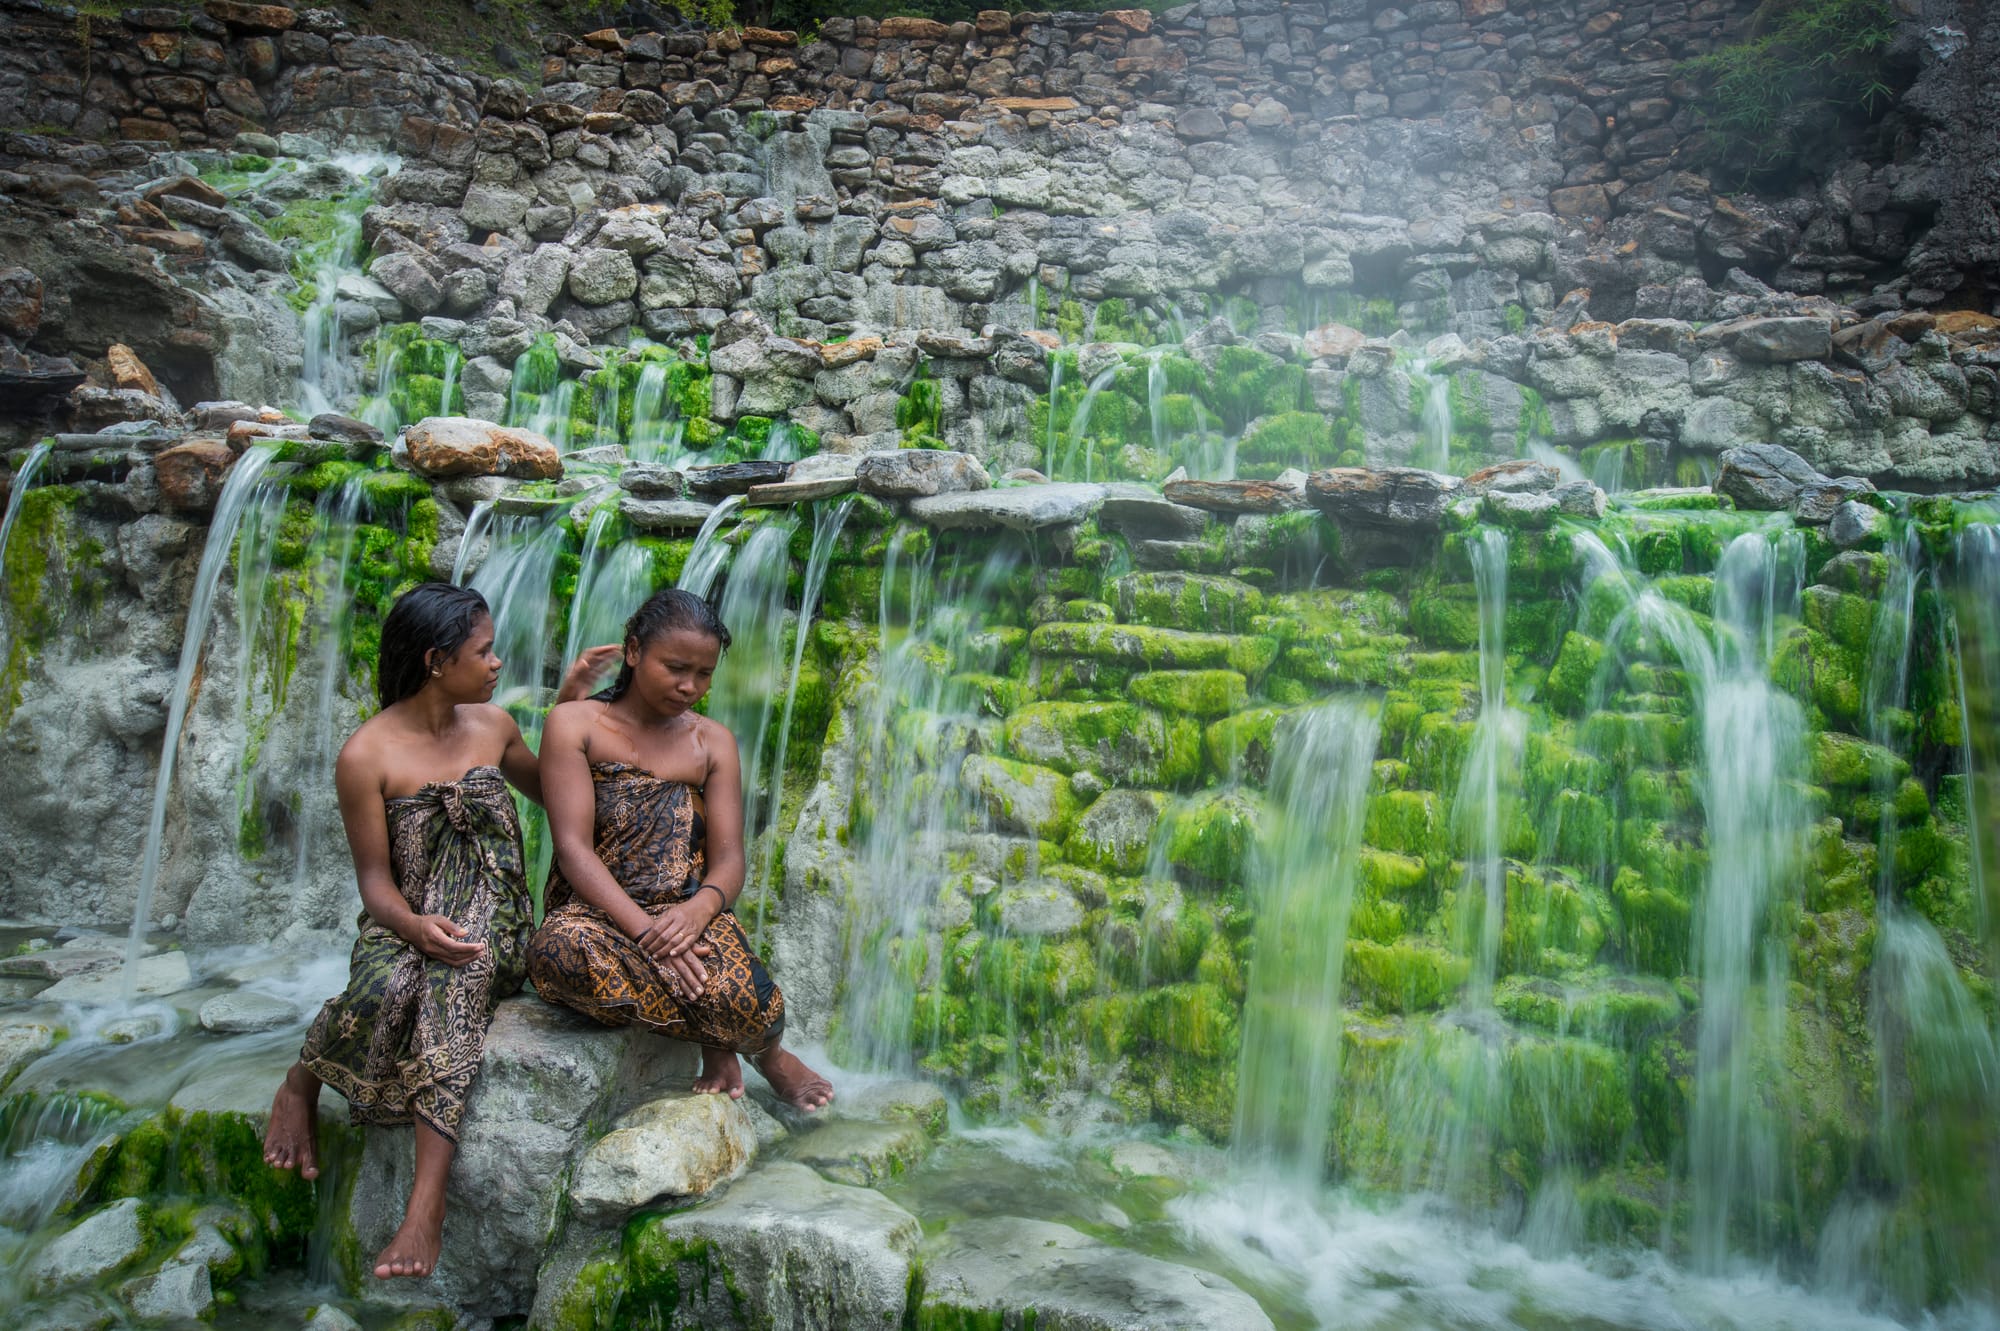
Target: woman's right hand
(585, 671)
(441, 940)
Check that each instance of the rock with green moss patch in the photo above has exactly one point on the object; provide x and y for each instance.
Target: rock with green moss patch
(1115, 833)
(1211, 836)
(1113, 739)
(859, 1152)
(1199, 693)
(1155, 648)
(1849, 763)
(1187, 601)
(1021, 797)
(1007, 1272)
(1402, 976)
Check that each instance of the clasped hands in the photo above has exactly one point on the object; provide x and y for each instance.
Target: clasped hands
(674, 938)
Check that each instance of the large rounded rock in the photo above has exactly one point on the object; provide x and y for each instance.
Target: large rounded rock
(443, 446)
(911, 473)
(1765, 477)
(191, 474)
(677, 1146)
(91, 1251)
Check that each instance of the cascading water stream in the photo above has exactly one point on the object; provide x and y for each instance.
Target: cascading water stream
(476, 523)
(827, 522)
(745, 696)
(1303, 891)
(17, 494)
(708, 555)
(1079, 425)
(1055, 396)
(1752, 775)
(338, 515)
(240, 491)
(613, 578)
(1434, 421)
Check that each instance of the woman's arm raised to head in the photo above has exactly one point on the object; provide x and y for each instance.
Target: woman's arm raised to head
(722, 816)
(517, 761)
(572, 805)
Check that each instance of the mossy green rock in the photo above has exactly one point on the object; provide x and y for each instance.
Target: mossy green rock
(1242, 744)
(1200, 693)
(1155, 648)
(1187, 601)
(1115, 833)
(1022, 797)
(1846, 762)
(1211, 836)
(1116, 740)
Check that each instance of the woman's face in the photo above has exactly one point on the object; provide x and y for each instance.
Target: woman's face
(672, 672)
(471, 673)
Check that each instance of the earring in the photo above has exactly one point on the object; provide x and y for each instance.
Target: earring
(436, 673)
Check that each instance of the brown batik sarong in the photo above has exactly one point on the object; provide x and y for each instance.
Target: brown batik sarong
(405, 1039)
(650, 837)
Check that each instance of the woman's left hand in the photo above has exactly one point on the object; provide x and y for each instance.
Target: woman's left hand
(679, 927)
(585, 671)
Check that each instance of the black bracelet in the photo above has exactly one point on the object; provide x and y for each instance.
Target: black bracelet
(711, 887)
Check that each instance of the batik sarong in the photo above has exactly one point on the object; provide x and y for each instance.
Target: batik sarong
(405, 1039)
(650, 836)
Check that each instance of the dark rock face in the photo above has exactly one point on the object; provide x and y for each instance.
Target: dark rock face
(735, 478)
(1766, 477)
(1385, 516)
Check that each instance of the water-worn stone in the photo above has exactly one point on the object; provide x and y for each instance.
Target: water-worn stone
(21, 1043)
(446, 446)
(916, 1102)
(92, 1250)
(242, 1011)
(910, 473)
(798, 1252)
(860, 1152)
(1151, 518)
(1815, 503)
(336, 428)
(798, 492)
(681, 1145)
(1020, 508)
(1021, 797)
(1013, 1267)
(166, 973)
(175, 1293)
(664, 514)
(1386, 515)
(1765, 477)
(409, 280)
(1854, 525)
(652, 480)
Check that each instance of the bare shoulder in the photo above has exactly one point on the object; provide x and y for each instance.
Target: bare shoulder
(493, 719)
(362, 757)
(715, 737)
(567, 721)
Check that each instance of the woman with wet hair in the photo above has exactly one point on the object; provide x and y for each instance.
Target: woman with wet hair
(446, 913)
(646, 808)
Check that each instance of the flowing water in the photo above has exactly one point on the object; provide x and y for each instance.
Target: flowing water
(17, 494)
(710, 552)
(336, 518)
(243, 490)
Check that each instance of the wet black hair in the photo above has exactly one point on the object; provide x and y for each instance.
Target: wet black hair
(663, 612)
(430, 617)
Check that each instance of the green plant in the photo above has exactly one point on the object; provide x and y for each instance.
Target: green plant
(1808, 66)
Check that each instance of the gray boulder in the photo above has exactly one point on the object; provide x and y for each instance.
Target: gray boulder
(1017, 1268)
(243, 1011)
(406, 278)
(1765, 477)
(1815, 504)
(92, 1250)
(1855, 525)
(910, 473)
(599, 277)
(681, 1145)
(178, 1293)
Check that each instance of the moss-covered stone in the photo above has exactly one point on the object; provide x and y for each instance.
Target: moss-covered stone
(1197, 693)
(1403, 976)
(1211, 836)
(1195, 601)
(1155, 648)
(1242, 744)
(1117, 740)
(1571, 677)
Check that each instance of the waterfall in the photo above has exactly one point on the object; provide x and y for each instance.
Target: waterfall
(1485, 792)
(1156, 398)
(709, 554)
(242, 491)
(1055, 396)
(746, 694)
(1433, 418)
(1303, 889)
(1752, 771)
(337, 515)
(24, 480)
(476, 523)
(612, 580)
(827, 522)
(1079, 423)
(326, 374)
(654, 415)
(1976, 638)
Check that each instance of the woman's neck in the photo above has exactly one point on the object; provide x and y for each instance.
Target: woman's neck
(433, 713)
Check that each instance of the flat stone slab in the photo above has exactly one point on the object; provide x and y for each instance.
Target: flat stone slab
(1236, 496)
(676, 1146)
(166, 973)
(735, 478)
(1151, 518)
(916, 1102)
(858, 1152)
(244, 1011)
(665, 514)
(1020, 508)
(798, 492)
(21, 1043)
(1068, 1280)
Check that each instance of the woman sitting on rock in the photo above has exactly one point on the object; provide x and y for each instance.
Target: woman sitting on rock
(646, 808)
(446, 911)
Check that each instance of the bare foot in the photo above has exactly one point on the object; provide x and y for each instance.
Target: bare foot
(795, 1083)
(414, 1250)
(721, 1072)
(289, 1140)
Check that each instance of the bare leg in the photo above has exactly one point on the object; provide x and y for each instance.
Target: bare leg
(289, 1141)
(721, 1073)
(795, 1083)
(414, 1250)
